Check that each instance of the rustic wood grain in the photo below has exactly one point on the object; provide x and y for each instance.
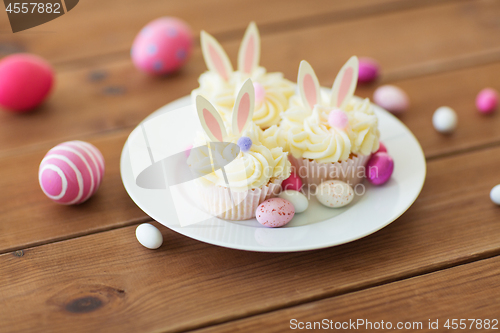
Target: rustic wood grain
(95, 28)
(464, 292)
(107, 280)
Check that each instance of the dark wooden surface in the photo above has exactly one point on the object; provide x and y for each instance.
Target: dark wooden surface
(80, 269)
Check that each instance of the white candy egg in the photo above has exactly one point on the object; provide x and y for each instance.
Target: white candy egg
(297, 199)
(495, 194)
(334, 193)
(445, 119)
(149, 236)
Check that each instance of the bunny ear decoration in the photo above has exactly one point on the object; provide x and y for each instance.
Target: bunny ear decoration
(308, 85)
(210, 119)
(249, 53)
(345, 83)
(243, 108)
(216, 59)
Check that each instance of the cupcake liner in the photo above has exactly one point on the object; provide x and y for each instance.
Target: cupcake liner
(217, 200)
(351, 171)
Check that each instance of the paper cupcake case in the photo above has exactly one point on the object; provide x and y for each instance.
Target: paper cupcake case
(351, 171)
(217, 200)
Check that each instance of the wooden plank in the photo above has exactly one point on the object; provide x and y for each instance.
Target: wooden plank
(466, 292)
(95, 28)
(108, 281)
(29, 218)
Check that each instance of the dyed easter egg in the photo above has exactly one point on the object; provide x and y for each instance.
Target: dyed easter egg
(391, 98)
(149, 236)
(275, 212)
(71, 172)
(487, 100)
(495, 194)
(382, 148)
(297, 199)
(292, 183)
(368, 70)
(445, 119)
(334, 193)
(162, 46)
(25, 82)
(379, 168)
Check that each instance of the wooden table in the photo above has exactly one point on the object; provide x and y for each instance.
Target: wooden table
(81, 269)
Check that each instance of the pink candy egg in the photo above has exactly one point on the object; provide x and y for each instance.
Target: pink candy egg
(275, 212)
(487, 100)
(382, 148)
(379, 168)
(25, 82)
(391, 98)
(162, 46)
(368, 70)
(71, 172)
(292, 183)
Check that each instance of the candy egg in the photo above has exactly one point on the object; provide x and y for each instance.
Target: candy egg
(149, 236)
(334, 193)
(71, 172)
(162, 46)
(275, 212)
(379, 168)
(297, 199)
(487, 100)
(368, 70)
(25, 82)
(382, 148)
(292, 183)
(495, 194)
(445, 119)
(391, 98)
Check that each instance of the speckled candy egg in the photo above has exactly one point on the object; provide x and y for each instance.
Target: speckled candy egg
(275, 212)
(149, 236)
(292, 183)
(71, 172)
(25, 82)
(297, 199)
(334, 193)
(162, 46)
(391, 98)
(379, 168)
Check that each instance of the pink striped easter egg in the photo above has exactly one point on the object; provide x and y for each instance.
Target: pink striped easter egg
(71, 172)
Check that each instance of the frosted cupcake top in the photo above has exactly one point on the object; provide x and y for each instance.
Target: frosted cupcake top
(327, 129)
(220, 84)
(246, 168)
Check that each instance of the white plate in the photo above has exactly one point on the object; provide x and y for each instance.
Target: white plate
(318, 227)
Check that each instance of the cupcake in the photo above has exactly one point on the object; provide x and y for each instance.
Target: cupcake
(236, 172)
(328, 137)
(220, 84)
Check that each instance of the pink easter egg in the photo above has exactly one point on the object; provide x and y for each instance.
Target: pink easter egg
(338, 118)
(275, 212)
(293, 183)
(391, 98)
(25, 82)
(368, 70)
(260, 93)
(71, 172)
(487, 100)
(163, 46)
(380, 168)
(382, 148)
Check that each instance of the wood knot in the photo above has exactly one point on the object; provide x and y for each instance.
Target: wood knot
(84, 304)
(18, 253)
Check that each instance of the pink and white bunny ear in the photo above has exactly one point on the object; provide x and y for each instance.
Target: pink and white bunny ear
(249, 53)
(210, 119)
(345, 83)
(216, 59)
(243, 108)
(308, 85)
